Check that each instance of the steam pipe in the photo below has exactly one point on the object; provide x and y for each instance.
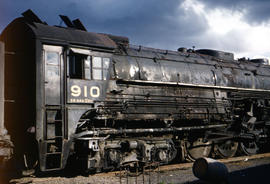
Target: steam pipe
(148, 130)
(3, 130)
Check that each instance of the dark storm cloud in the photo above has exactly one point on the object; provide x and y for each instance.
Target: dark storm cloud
(255, 11)
(153, 22)
(149, 22)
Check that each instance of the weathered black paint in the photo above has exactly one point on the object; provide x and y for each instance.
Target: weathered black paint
(149, 94)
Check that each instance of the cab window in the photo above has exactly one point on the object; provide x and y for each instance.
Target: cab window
(83, 66)
(100, 68)
(78, 66)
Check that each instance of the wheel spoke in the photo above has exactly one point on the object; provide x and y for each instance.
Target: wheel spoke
(249, 148)
(226, 149)
(198, 149)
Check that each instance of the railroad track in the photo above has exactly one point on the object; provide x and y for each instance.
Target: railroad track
(115, 176)
(182, 166)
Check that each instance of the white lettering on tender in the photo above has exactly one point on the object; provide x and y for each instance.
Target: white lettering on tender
(85, 91)
(94, 91)
(76, 91)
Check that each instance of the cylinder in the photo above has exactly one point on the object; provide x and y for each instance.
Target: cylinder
(210, 170)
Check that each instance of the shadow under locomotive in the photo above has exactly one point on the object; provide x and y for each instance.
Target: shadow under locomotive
(257, 174)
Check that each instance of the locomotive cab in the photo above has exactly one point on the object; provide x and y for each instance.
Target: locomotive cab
(53, 76)
(87, 73)
(77, 81)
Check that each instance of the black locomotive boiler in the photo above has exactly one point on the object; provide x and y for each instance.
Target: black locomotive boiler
(72, 95)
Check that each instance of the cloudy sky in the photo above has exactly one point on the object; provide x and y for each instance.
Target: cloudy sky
(239, 26)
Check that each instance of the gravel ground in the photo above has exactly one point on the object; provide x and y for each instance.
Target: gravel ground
(247, 171)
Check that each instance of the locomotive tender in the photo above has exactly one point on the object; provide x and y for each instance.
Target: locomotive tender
(72, 95)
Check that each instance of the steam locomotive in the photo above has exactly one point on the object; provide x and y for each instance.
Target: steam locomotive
(73, 96)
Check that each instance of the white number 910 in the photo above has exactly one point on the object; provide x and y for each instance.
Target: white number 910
(76, 91)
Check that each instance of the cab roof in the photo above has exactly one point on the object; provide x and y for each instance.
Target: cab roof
(68, 35)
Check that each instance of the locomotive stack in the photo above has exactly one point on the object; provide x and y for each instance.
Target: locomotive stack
(96, 100)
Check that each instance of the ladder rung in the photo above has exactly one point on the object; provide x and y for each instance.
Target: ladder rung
(55, 153)
(53, 139)
(56, 169)
(54, 121)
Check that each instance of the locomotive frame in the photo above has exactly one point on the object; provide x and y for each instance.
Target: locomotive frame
(96, 99)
